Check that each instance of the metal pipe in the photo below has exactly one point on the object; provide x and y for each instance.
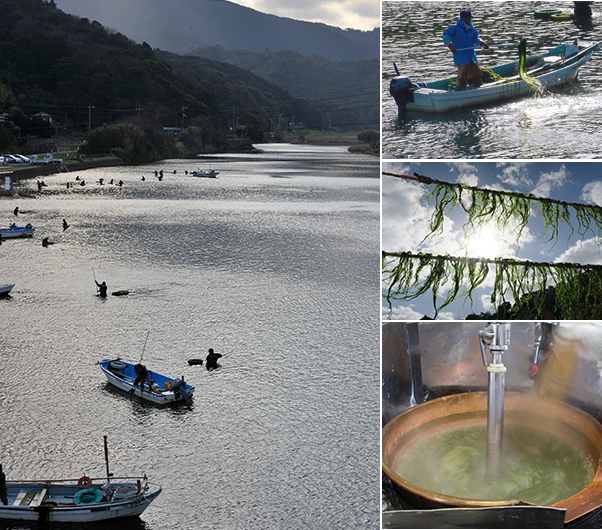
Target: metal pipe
(496, 338)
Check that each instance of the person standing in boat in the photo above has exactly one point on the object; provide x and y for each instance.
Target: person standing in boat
(102, 288)
(461, 35)
(211, 361)
(142, 376)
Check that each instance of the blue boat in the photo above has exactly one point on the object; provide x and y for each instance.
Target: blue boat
(163, 389)
(14, 231)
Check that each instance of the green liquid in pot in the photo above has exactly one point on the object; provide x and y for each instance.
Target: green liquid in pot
(536, 467)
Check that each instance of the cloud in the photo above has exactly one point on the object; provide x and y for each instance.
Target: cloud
(514, 174)
(548, 181)
(357, 14)
(592, 192)
(585, 252)
(467, 173)
(400, 313)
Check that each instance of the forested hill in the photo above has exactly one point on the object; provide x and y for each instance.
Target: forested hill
(352, 87)
(182, 25)
(82, 75)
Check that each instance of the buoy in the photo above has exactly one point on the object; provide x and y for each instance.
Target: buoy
(118, 365)
(192, 362)
(546, 13)
(85, 481)
(88, 496)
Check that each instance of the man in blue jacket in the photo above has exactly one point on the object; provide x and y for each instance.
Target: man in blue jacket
(464, 35)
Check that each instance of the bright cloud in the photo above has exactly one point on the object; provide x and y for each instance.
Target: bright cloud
(549, 181)
(585, 252)
(467, 173)
(356, 14)
(514, 174)
(592, 192)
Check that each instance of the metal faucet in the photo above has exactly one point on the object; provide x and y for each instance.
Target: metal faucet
(496, 338)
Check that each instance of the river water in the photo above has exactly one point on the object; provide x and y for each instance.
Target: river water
(563, 123)
(274, 263)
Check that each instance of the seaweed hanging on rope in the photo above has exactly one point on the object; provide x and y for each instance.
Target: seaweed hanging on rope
(578, 287)
(483, 206)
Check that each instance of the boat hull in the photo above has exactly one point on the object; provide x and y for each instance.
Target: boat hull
(124, 380)
(435, 101)
(56, 508)
(12, 233)
(6, 288)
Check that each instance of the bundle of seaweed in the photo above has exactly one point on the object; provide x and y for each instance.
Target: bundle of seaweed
(483, 206)
(578, 287)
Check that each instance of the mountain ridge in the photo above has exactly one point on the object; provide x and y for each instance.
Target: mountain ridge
(199, 23)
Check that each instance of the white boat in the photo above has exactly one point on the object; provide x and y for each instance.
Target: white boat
(15, 231)
(163, 389)
(77, 501)
(556, 67)
(6, 288)
(209, 174)
(55, 501)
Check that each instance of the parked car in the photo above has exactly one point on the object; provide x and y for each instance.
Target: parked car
(10, 159)
(22, 159)
(33, 159)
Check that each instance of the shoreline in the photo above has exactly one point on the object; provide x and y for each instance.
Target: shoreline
(52, 169)
(23, 173)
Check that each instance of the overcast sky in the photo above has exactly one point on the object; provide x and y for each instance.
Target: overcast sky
(355, 14)
(405, 218)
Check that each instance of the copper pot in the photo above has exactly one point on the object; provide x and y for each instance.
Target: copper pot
(466, 410)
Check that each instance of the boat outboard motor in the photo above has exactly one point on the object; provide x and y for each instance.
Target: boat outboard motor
(179, 389)
(401, 89)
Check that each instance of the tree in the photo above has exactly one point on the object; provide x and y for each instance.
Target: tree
(254, 130)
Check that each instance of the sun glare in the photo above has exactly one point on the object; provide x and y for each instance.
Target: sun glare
(487, 243)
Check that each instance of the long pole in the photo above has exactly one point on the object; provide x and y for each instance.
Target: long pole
(144, 347)
(107, 458)
(481, 48)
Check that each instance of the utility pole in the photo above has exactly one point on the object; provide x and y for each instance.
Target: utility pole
(90, 107)
(139, 109)
(183, 115)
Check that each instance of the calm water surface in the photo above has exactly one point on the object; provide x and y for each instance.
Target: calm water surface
(274, 263)
(562, 123)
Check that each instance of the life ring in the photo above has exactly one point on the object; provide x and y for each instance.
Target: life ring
(84, 482)
(118, 365)
(88, 496)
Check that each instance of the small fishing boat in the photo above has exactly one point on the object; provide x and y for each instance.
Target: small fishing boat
(56, 501)
(163, 389)
(556, 67)
(78, 501)
(6, 288)
(14, 231)
(207, 174)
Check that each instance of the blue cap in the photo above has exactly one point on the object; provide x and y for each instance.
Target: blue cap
(465, 13)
